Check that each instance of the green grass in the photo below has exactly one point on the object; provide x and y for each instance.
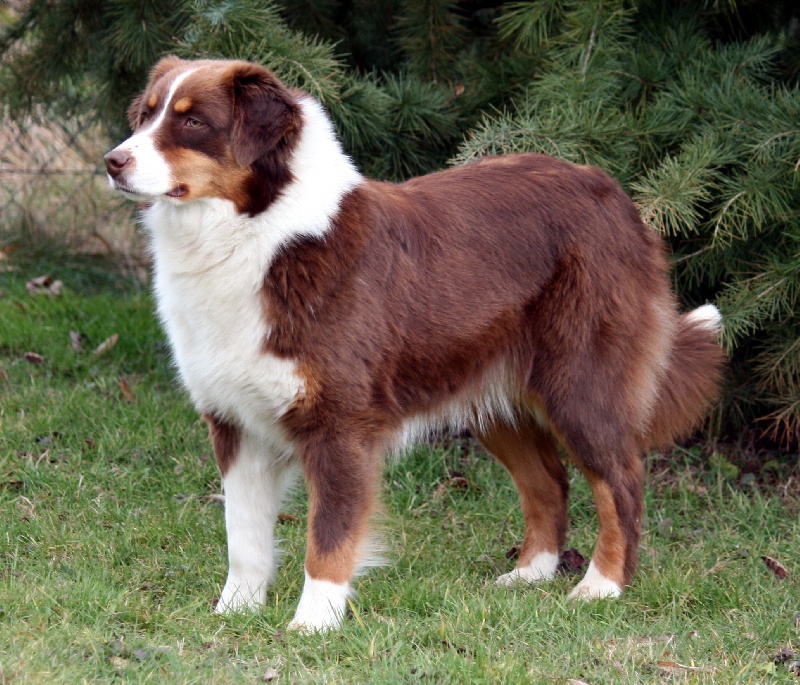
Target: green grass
(112, 545)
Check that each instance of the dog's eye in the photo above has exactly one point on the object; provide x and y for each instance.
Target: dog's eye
(192, 123)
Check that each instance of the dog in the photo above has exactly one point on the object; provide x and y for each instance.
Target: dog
(320, 320)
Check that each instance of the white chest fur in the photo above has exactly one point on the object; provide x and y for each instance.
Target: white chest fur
(210, 265)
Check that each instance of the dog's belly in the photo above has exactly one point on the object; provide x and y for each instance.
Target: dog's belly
(496, 397)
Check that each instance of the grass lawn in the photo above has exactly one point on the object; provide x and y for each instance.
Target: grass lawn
(112, 545)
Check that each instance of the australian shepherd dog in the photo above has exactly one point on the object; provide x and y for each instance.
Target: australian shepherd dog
(321, 320)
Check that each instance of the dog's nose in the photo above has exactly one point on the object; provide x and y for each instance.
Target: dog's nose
(116, 161)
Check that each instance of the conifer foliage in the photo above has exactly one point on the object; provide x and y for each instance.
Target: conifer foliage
(705, 135)
(693, 106)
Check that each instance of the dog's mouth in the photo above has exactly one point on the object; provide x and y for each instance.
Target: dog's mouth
(178, 191)
(126, 190)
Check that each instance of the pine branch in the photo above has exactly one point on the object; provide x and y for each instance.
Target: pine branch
(530, 25)
(430, 34)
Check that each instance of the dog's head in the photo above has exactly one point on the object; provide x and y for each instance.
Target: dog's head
(208, 129)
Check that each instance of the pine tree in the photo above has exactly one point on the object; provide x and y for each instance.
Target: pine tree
(78, 55)
(706, 138)
(692, 105)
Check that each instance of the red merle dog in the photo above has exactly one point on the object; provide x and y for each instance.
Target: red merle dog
(320, 320)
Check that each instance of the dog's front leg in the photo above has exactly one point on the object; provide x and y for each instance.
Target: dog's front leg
(254, 483)
(342, 482)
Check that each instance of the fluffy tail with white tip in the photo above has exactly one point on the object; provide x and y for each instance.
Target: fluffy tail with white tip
(692, 378)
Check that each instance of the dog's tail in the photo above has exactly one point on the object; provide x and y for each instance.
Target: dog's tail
(692, 378)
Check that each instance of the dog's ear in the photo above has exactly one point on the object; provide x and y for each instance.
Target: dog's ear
(135, 111)
(264, 113)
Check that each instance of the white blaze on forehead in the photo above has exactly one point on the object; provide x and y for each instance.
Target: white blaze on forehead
(150, 173)
(170, 97)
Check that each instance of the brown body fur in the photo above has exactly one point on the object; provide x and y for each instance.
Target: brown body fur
(421, 289)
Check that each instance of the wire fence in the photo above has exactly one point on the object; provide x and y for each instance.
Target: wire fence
(53, 183)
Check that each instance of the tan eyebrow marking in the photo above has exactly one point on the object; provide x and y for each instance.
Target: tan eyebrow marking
(153, 101)
(183, 105)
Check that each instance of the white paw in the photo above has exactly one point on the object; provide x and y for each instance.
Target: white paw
(321, 607)
(595, 586)
(315, 624)
(541, 568)
(241, 595)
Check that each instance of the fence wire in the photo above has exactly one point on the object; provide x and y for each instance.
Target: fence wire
(53, 181)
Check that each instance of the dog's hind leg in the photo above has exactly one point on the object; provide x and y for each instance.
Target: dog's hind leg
(617, 492)
(599, 436)
(530, 454)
